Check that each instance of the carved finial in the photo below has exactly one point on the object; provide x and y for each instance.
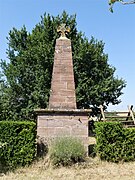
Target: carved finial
(63, 30)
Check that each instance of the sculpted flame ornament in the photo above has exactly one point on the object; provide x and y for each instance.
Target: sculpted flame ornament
(63, 30)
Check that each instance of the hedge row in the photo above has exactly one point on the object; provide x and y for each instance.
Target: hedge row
(18, 146)
(115, 143)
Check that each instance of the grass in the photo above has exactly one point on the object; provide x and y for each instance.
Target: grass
(66, 151)
(92, 169)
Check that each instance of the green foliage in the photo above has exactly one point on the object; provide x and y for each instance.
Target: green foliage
(114, 143)
(28, 73)
(2, 145)
(18, 141)
(67, 151)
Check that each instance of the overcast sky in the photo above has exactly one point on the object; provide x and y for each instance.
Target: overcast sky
(117, 30)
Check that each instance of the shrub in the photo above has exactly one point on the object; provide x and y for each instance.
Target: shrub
(128, 149)
(18, 143)
(67, 151)
(114, 143)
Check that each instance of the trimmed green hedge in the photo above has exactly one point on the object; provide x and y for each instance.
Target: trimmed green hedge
(18, 141)
(114, 143)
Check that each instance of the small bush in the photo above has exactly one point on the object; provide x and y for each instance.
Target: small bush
(18, 143)
(67, 151)
(114, 143)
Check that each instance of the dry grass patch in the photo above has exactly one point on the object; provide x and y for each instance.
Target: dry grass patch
(93, 169)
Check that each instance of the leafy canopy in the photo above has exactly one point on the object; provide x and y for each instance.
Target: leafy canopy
(29, 70)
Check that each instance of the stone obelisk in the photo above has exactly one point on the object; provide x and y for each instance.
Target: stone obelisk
(62, 118)
(62, 95)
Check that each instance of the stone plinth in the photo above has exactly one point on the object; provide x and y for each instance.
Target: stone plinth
(56, 123)
(62, 94)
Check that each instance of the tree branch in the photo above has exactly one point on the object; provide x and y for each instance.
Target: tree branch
(111, 3)
(130, 2)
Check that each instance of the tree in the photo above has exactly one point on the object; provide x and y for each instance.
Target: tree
(28, 74)
(111, 3)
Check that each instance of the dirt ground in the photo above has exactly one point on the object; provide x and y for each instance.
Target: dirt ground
(93, 169)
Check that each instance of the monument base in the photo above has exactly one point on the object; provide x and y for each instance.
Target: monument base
(53, 123)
